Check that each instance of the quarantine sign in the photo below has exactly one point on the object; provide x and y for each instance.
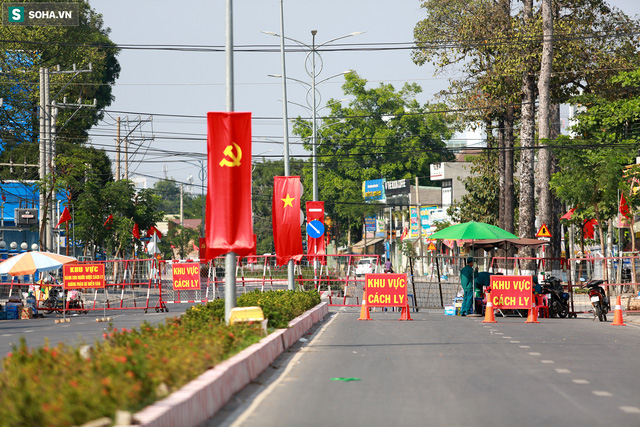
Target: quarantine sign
(83, 276)
(511, 292)
(186, 277)
(386, 290)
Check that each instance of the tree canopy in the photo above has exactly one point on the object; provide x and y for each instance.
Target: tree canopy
(381, 133)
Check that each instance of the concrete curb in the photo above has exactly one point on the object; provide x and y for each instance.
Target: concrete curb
(200, 399)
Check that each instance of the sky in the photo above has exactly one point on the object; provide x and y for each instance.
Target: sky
(176, 88)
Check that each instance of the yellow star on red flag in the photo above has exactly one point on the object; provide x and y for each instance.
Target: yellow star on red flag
(288, 201)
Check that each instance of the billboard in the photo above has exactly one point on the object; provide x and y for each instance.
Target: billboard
(373, 190)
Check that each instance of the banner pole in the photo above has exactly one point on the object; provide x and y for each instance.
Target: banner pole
(230, 258)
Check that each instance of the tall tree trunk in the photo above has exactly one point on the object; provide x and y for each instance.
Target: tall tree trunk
(501, 175)
(509, 196)
(556, 205)
(545, 206)
(527, 134)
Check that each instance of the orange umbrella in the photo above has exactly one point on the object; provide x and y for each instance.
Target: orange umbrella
(29, 262)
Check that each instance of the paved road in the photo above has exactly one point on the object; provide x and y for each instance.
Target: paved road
(448, 371)
(82, 328)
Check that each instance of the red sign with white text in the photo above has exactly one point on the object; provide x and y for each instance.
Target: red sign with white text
(386, 290)
(511, 292)
(186, 277)
(83, 276)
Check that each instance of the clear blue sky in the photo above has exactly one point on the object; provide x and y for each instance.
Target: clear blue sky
(172, 84)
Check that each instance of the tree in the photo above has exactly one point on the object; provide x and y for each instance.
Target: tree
(26, 49)
(495, 48)
(169, 193)
(381, 133)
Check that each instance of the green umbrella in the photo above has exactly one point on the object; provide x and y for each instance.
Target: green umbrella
(473, 231)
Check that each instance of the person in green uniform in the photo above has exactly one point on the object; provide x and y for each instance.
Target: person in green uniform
(467, 281)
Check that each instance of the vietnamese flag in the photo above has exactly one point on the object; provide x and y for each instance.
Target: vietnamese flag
(66, 216)
(286, 219)
(316, 245)
(229, 223)
(136, 231)
(153, 230)
(624, 208)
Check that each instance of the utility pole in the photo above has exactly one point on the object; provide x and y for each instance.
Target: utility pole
(181, 220)
(118, 149)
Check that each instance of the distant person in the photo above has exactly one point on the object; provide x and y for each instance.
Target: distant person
(467, 281)
(482, 281)
(388, 268)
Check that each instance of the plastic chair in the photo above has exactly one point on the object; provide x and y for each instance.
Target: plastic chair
(541, 306)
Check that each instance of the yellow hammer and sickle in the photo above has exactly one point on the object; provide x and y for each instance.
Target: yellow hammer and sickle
(235, 158)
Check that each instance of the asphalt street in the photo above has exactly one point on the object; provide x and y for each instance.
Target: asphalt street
(81, 329)
(448, 371)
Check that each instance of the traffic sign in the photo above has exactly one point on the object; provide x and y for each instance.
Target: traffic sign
(431, 247)
(543, 232)
(315, 229)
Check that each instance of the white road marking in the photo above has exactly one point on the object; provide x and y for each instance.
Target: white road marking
(6, 335)
(524, 346)
(515, 342)
(602, 393)
(531, 353)
(28, 330)
(499, 333)
(630, 409)
(547, 361)
(294, 360)
(507, 338)
(563, 371)
(580, 381)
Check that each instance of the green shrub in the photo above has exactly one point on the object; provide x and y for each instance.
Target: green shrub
(130, 369)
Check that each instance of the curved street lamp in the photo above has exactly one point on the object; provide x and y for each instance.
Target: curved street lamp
(312, 57)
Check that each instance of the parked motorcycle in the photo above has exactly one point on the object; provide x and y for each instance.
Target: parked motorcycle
(599, 299)
(56, 301)
(557, 297)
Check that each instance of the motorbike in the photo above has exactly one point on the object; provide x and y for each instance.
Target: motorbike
(557, 297)
(56, 300)
(599, 300)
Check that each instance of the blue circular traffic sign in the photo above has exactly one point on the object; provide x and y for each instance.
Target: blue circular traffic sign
(315, 229)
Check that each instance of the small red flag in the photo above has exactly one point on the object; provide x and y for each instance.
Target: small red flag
(588, 226)
(569, 214)
(623, 208)
(228, 214)
(66, 216)
(109, 219)
(153, 230)
(286, 219)
(195, 248)
(136, 231)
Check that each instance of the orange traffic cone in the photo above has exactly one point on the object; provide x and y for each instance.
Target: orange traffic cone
(617, 314)
(405, 313)
(533, 314)
(489, 316)
(364, 310)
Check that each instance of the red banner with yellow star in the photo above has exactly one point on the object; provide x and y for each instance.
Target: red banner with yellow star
(286, 219)
(229, 226)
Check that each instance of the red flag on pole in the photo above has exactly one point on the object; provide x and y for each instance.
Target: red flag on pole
(108, 220)
(229, 222)
(153, 230)
(316, 245)
(286, 219)
(136, 231)
(66, 216)
(623, 208)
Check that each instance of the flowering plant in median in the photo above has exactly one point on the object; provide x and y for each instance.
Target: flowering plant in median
(128, 369)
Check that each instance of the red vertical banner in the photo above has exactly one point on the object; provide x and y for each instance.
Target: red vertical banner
(316, 248)
(286, 219)
(229, 226)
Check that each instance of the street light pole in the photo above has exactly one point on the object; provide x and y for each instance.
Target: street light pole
(314, 146)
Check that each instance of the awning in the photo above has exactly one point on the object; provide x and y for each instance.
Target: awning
(503, 243)
(369, 242)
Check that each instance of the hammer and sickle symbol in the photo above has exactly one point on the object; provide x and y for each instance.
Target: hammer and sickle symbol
(234, 157)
